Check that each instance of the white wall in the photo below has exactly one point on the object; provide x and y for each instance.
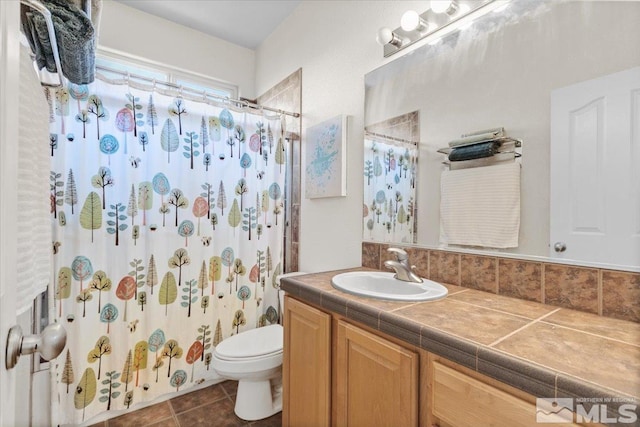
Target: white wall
(334, 43)
(129, 30)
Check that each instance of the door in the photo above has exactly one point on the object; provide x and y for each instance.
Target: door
(376, 380)
(595, 180)
(9, 67)
(306, 366)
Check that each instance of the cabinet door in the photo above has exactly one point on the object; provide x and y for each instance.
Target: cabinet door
(376, 380)
(306, 371)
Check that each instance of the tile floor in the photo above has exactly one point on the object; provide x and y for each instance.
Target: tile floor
(208, 407)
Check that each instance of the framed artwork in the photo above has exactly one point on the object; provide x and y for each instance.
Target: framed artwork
(325, 159)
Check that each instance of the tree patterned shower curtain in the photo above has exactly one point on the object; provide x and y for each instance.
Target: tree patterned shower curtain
(389, 190)
(167, 217)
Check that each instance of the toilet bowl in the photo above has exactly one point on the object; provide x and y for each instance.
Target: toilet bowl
(254, 359)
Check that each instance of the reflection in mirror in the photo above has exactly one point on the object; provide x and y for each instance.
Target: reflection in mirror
(502, 71)
(390, 162)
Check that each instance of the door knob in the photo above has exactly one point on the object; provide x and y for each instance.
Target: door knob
(560, 247)
(49, 343)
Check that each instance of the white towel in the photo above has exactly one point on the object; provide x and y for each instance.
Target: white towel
(481, 206)
(33, 226)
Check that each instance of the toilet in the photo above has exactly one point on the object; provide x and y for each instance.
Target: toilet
(254, 359)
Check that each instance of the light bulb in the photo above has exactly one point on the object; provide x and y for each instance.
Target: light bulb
(440, 6)
(410, 20)
(384, 36)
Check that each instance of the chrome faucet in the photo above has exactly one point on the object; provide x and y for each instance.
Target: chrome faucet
(403, 270)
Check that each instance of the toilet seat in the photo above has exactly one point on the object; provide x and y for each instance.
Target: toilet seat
(254, 344)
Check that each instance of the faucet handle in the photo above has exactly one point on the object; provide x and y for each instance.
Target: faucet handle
(400, 254)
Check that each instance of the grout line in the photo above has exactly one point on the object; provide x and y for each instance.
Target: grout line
(600, 292)
(499, 340)
(497, 275)
(173, 413)
(460, 291)
(497, 310)
(593, 334)
(410, 304)
(543, 287)
(226, 393)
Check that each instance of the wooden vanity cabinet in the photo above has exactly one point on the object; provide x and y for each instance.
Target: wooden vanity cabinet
(342, 375)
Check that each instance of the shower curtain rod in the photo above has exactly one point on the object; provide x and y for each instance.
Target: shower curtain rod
(390, 138)
(241, 102)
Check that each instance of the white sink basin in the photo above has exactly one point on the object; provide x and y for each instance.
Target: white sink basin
(375, 284)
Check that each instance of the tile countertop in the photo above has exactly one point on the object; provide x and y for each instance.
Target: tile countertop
(544, 350)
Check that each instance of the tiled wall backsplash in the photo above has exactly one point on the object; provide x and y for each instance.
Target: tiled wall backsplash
(610, 293)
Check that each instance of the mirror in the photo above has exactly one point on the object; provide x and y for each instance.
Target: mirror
(501, 72)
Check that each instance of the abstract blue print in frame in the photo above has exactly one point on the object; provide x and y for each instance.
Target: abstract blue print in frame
(325, 165)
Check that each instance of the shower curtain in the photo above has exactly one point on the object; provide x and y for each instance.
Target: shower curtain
(389, 190)
(167, 215)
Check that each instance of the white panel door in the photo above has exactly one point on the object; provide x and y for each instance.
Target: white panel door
(9, 68)
(595, 170)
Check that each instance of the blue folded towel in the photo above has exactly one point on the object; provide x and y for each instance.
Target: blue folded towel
(475, 151)
(75, 37)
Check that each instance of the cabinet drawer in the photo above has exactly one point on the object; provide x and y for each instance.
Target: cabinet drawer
(459, 400)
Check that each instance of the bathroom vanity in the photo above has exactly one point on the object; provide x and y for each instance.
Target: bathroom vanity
(471, 359)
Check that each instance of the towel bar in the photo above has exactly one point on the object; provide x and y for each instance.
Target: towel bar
(504, 141)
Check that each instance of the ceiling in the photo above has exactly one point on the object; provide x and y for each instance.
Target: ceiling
(242, 22)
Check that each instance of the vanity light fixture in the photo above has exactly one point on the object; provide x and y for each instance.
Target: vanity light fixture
(442, 18)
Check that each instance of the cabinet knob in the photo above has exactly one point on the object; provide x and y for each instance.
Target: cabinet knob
(560, 246)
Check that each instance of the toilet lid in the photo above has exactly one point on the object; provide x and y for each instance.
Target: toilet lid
(252, 343)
